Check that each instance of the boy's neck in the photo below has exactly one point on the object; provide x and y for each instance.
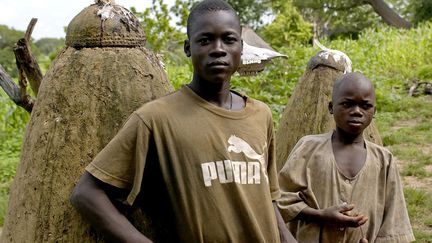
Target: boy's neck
(346, 138)
(216, 93)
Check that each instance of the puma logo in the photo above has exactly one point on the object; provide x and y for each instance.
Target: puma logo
(238, 145)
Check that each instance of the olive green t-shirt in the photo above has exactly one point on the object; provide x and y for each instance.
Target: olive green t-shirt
(213, 169)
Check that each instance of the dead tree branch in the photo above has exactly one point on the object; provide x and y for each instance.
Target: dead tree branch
(26, 63)
(13, 91)
(413, 89)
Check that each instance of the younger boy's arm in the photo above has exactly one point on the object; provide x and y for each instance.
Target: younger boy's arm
(297, 200)
(91, 198)
(337, 215)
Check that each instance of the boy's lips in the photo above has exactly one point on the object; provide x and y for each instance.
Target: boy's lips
(355, 122)
(217, 64)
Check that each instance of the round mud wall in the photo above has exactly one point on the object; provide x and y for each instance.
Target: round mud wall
(83, 100)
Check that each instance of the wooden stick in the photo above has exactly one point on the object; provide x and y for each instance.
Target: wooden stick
(26, 61)
(13, 91)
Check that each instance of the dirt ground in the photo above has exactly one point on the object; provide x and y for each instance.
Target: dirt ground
(412, 181)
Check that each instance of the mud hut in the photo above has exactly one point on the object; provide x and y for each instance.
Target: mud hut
(102, 75)
(307, 109)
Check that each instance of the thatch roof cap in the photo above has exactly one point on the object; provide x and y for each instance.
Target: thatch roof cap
(256, 53)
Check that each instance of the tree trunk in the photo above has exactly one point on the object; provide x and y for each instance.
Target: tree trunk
(307, 109)
(388, 15)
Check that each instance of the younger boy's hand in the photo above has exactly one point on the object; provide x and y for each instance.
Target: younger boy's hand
(342, 215)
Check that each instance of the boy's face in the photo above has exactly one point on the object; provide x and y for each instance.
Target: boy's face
(214, 46)
(353, 106)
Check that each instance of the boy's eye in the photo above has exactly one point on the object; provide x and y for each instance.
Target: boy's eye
(230, 39)
(346, 104)
(367, 106)
(203, 41)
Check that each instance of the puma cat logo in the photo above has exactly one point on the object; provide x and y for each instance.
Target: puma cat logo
(238, 145)
(240, 172)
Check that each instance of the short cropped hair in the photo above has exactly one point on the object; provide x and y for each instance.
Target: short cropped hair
(357, 76)
(208, 6)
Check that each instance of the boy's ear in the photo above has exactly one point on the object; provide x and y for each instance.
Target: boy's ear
(186, 48)
(330, 107)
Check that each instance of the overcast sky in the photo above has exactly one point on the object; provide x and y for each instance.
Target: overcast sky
(52, 15)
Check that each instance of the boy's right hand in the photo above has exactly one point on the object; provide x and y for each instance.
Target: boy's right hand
(341, 215)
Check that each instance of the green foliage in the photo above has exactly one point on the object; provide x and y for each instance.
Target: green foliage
(8, 164)
(155, 21)
(425, 72)
(337, 17)
(251, 11)
(8, 38)
(13, 120)
(419, 203)
(389, 57)
(421, 10)
(344, 18)
(49, 45)
(288, 27)
(12, 124)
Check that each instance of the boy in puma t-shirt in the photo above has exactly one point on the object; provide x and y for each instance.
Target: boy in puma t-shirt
(200, 161)
(339, 187)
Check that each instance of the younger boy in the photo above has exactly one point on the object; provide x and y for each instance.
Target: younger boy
(338, 187)
(199, 161)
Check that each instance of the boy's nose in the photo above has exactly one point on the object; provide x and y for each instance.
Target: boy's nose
(218, 48)
(356, 110)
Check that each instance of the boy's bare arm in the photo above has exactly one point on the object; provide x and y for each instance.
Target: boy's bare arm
(91, 200)
(338, 215)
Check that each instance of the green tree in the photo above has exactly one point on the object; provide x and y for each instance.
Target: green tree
(8, 38)
(155, 22)
(48, 45)
(162, 37)
(251, 12)
(288, 27)
(348, 17)
(421, 10)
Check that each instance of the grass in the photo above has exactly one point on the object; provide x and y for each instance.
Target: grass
(406, 130)
(419, 203)
(389, 57)
(8, 164)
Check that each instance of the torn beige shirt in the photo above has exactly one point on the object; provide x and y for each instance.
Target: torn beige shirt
(311, 178)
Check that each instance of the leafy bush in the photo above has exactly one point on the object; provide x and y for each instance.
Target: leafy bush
(389, 57)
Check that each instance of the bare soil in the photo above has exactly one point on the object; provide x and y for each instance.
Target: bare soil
(413, 181)
(405, 124)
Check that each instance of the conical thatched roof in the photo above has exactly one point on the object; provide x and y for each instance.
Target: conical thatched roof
(256, 53)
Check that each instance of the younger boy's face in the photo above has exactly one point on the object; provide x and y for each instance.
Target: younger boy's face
(214, 46)
(353, 106)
